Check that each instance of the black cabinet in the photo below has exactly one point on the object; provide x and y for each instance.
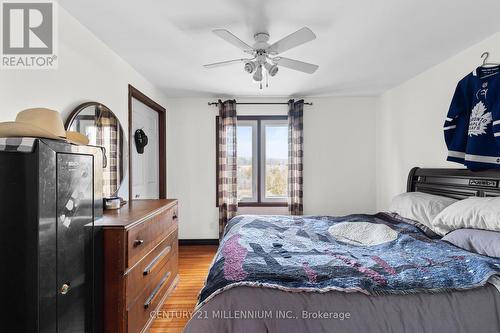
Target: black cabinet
(50, 196)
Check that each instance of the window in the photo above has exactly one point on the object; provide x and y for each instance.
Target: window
(274, 160)
(247, 161)
(262, 160)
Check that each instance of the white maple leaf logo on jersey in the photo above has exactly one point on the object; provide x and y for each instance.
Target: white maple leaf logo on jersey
(479, 119)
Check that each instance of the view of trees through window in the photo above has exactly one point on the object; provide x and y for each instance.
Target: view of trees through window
(273, 170)
(245, 163)
(276, 161)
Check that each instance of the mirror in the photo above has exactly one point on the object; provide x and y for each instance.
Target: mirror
(103, 129)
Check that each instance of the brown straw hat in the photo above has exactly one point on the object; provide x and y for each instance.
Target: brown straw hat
(40, 123)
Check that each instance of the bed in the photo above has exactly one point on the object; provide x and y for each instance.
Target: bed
(309, 274)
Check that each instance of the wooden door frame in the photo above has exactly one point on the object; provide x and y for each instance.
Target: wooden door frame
(141, 97)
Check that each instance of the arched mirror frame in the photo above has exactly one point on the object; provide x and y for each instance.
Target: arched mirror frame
(122, 165)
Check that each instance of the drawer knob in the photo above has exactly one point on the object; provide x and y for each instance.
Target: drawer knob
(64, 289)
(138, 242)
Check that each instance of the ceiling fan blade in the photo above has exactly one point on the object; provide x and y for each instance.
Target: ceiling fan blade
(230, 38)
(296, 65)
(297, 38)
(224, 63)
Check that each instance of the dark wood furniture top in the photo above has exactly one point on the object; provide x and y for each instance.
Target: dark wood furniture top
(134, 213)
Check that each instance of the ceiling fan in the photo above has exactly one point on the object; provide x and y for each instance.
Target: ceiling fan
(265, 55)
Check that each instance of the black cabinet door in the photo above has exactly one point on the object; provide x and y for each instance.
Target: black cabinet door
(74, 241)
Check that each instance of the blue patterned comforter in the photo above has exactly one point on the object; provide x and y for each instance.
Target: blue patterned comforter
(315, 253)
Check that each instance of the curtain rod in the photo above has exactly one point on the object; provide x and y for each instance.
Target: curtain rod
(260, 103)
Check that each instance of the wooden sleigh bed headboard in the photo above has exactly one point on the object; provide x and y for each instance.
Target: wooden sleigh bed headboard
(455, 183)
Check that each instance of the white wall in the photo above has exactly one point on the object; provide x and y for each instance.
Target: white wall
(411, 117)
(88, 71)
(339, 158)
(191, 166)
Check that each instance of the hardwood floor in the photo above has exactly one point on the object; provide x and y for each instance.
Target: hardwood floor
(194, 261)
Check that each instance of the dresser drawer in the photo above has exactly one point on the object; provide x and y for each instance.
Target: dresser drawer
(142, 274)
(139, 312)
(148, 234)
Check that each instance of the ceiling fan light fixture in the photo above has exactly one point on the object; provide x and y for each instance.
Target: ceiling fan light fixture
(257, 76)
(264, 57)
(250, 66)
(271, 69)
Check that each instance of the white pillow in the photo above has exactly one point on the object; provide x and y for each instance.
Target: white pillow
(419, 206)
(471, 213)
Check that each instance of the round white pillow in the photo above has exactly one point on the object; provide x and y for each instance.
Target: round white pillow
(362, 233)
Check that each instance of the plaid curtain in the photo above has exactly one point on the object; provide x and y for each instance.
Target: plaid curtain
(108, 135)
(227, 186)
(295, 156)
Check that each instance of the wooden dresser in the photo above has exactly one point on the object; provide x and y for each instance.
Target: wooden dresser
(140, 262)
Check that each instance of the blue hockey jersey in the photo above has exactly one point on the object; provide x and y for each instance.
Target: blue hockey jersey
(472, 126)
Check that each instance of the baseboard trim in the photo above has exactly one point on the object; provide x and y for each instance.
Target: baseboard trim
(198, 242)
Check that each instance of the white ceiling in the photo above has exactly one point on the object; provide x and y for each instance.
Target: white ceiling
(363, 47)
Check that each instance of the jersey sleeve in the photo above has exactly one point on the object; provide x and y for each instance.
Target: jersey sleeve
(456, 125)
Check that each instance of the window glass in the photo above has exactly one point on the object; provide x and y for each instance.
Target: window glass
(245, 162)
(262, 160)
(276, 161)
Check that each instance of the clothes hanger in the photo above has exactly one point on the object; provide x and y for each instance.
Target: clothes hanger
(485, 57)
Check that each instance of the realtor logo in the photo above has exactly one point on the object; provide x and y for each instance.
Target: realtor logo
(28, 35)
